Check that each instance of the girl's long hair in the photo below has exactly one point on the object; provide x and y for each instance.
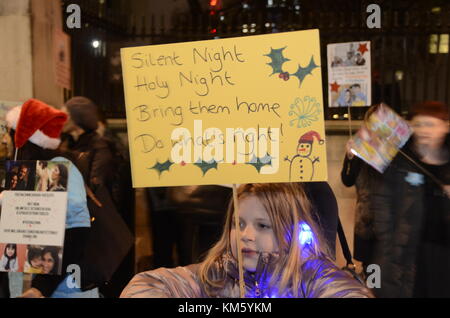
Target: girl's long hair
(63, 175)
(288, 207)
(13, 246)
(53, 250)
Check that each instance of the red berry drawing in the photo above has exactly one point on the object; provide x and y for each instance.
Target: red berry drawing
(183, 163)
(284, 76)
(234, 162)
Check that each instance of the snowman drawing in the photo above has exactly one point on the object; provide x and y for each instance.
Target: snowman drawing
(301, 166)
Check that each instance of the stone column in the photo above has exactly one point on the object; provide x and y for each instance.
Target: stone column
(26, 50)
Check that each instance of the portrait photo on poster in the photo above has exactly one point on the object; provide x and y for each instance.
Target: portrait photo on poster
(43, 260)
(20, 175)
(12, 257)
(349, 74)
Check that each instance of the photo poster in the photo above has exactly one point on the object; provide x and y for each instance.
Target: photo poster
(380, 138)
(33, 216)
(349, 74)
(226, 111)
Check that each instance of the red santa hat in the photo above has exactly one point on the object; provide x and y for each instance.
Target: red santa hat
(309, 137)
(37, 122)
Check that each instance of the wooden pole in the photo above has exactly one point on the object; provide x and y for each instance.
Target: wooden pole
(350, 123)
(238, 242)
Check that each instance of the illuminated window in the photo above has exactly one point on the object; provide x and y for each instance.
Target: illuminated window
(438, 43)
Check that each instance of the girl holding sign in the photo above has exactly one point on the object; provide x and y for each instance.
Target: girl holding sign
(284, 254)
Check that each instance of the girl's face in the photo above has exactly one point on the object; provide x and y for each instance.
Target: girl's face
(428, 130)
(10, 251)
(36, 262)
(55, 173)
(348, 96)
(256, 232)
(14, 180)
(47, 263)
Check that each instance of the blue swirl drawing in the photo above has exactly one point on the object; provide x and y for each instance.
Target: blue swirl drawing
(305, 111)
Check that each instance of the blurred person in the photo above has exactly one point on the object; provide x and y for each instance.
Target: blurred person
(86, 143)
(14, 181)
(22, 182)
(355, 172)
(411, 210)
(59, 177)
(359, 59)
(103, 161)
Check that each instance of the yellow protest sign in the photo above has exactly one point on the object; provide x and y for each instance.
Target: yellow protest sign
(235, 110)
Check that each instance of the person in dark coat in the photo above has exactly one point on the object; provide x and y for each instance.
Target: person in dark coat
(411, 211)
(100, 166)
(355, 172)
(85, 141)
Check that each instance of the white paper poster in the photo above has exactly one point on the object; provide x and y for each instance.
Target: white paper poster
(349, 74)
(30, 217)
(33, 216)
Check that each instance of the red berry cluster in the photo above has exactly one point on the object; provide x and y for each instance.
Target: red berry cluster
(284, 75)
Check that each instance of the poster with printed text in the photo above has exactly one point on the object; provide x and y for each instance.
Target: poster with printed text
(349, 74)
(226, 111)
(33, 216)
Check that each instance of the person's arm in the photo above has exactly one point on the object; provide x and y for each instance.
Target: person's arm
(74, 244)
(178, 282)
(350, 171)
(101, 166)
(352, 166)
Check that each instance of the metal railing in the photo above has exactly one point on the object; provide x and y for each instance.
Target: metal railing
(407, 66)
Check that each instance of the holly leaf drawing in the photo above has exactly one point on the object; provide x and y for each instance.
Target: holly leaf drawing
(206, 166)
(277, 60)
(258, 163)
(161, 167)
(303, 71)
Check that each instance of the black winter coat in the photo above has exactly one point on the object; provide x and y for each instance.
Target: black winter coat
(97, 164)
(356, 172)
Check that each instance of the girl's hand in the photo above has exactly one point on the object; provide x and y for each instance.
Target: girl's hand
(32, 293)
(348, 147)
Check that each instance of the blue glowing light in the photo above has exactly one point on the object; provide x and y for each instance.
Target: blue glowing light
(305, 236)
